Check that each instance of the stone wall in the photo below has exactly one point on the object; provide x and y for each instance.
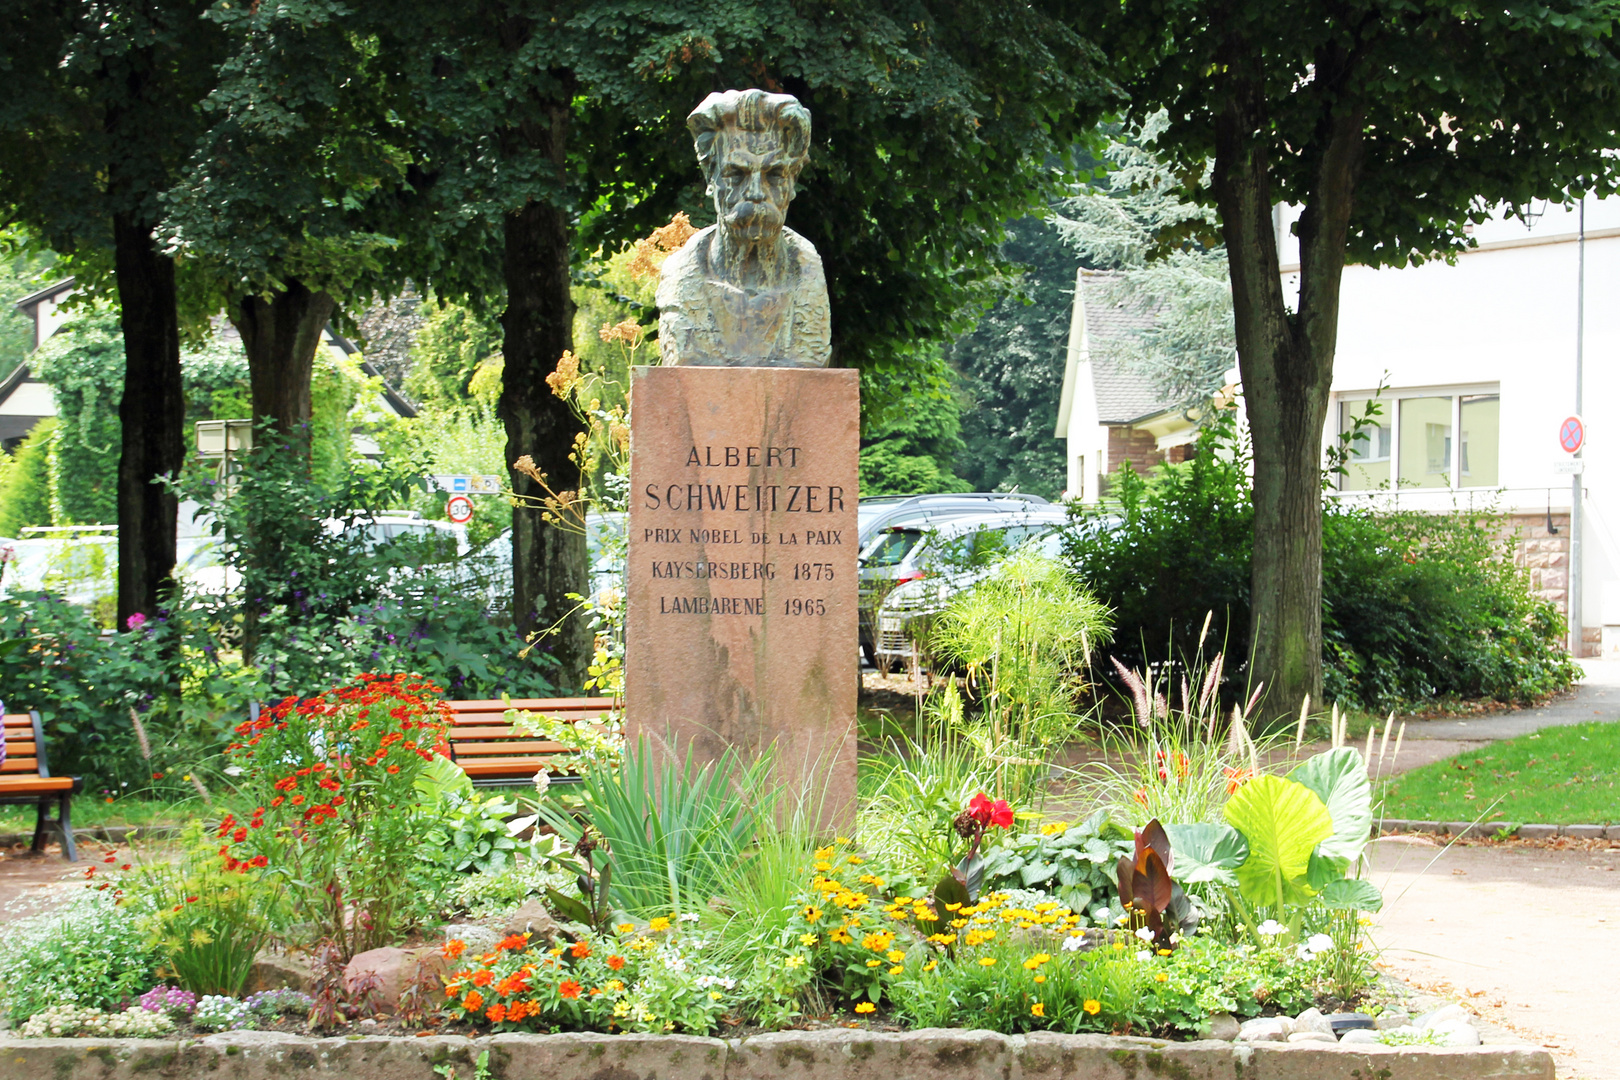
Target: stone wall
(835, 1054)
(1544, 554)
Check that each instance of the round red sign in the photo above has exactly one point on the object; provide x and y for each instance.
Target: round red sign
(459, 509)
(1572, 434)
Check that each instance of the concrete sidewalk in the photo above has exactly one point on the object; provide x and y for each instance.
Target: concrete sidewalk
(1596, 697)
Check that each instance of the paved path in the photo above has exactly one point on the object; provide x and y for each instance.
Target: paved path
(1596, 697)
(1527, 936)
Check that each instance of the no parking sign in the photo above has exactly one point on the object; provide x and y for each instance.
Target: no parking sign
(1572, 434)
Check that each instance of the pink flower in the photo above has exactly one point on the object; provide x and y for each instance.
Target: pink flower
(135, 621)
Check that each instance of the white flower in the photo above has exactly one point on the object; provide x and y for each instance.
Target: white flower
(1270, 928)
(1102, 916)
(1319, 943)
(1145, 954)
(1175, 939)
(1303, 952)
(232, 770)
(689, 917)
(1073, 943)
(1144, 933)
(542, 780)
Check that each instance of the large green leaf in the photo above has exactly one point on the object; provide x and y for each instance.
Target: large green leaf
(1207, 851)
(1352, 894)
(1283, 822)
(1339, 779)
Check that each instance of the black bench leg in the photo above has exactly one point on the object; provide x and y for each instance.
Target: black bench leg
(41, 819)
(64, 822)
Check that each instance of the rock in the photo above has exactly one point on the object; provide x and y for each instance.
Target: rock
(1584, 832)
(1311, 1037)
(1612, 832)
(1436, 1017)
(1456, 1033)
(1312, 1020)
(532, 918)
(477, 937)
(1359, 1037)
(1392, 1018)
(368, 1024)
(1266, 1029)
(275, 970)
(395, 970)
(1537, 832)
(1222, 1026)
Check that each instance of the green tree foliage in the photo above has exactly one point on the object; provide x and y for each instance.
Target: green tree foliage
(1392, 124)
(908, 448)
(25, 486)
(1011, 367)
(83, 362)
(447, 352)
(22, 271)
(1168, 263)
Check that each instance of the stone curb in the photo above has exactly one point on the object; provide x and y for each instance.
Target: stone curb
(1491, 828)
(835, 1054)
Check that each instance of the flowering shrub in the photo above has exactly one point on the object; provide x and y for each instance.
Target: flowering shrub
(339, 816)
(217, 1012)
(89, 953)
(652, 978)
(178, 1003)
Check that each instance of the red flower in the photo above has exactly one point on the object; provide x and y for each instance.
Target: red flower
(569, 989)
(258, 862)
(987, 813)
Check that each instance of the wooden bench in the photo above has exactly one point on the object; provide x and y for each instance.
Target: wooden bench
(492, 753)
(26, 780)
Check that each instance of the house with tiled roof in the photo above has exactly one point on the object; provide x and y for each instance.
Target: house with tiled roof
(1109, 414)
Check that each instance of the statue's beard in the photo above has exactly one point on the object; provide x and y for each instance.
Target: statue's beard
(754, 221)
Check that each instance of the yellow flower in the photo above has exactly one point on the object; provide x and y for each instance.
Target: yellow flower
(987, 961)
(1040, 978)
(874, 963)
(1052, 828)
(1092, 1006)
(1161, 977)
(895, 956)
(866, 1007)
(622, 1009)
(942, 939)
(854, 860)
(615, 985)
(793, 962)
(824, 866)
(896, 970)
(957, 924)
(810, 912)
(715, 995)
(824, 853)
(931, 965)
(1037, 1009)
(841, 936)
(1119, 946)
(842, 840)
(625, 927)
(1164, 952)
(658, 925)
(808, 940)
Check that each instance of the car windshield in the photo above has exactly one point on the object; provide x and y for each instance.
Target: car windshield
(891, 546)
(973, 550)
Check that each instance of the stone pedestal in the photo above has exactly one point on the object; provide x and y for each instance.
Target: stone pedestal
(741, 626)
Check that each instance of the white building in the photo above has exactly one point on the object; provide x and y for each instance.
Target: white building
(1477, 362)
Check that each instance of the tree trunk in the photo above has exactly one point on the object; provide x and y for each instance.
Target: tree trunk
(281, 335)
(1286, 361)
(152, 415)
(548, 562)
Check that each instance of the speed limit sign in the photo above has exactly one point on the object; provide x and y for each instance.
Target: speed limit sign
(459, 509)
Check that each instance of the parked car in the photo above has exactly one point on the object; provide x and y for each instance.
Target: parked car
(490, 567)
(947, 551)
(76, 564)
(881, 511)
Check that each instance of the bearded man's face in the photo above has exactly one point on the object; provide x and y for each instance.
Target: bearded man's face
(753, 184)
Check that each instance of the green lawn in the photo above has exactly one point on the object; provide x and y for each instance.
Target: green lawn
(90, 811)
(1558, 776)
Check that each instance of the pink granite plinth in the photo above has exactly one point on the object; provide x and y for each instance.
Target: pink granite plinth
(741, 626)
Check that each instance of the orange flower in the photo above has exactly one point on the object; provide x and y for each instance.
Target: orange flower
(496, 1013)
(514, 941)
(483, 978)
(568, 988)
(473, 1002)
(579, 950)
(615, 963)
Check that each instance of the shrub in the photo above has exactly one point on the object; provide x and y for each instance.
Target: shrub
(89, 954)
(1414, 606)
(339, 816)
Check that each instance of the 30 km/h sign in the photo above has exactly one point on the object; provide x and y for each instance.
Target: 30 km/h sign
(1572, 434)
(459, 509)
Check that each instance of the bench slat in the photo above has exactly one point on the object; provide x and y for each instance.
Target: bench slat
(28, 764)
(524, 746)
(534, 704)
(17, 785)
(519, 769)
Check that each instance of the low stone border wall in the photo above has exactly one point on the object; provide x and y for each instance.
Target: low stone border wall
(1491, 828)
(107, 834)
(837, 1054)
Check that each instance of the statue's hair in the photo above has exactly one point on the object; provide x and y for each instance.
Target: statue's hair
(750, 110)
